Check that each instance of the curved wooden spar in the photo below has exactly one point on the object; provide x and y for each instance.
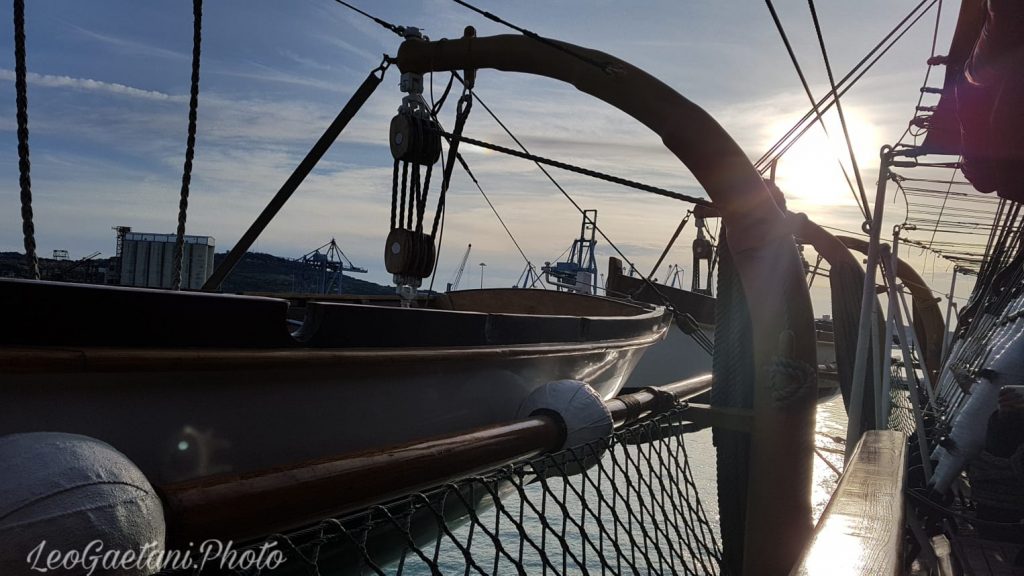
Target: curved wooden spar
(778, 514)
(687, 130)
(846, 276)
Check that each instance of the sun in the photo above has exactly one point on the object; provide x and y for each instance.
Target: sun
(810, 173)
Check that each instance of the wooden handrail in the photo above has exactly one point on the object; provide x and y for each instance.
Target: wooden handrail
(860, 532)
(252, 505)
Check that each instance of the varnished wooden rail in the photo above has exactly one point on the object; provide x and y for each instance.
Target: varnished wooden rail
(860, 532)
(248, 506)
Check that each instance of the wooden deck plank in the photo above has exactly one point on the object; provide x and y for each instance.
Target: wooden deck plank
(861, 529)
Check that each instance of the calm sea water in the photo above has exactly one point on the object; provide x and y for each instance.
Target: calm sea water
(561, 512)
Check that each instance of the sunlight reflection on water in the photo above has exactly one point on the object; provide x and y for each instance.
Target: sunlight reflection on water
(829, 434)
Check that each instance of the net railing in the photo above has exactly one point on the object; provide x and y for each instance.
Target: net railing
(627, 504)
(901, 410)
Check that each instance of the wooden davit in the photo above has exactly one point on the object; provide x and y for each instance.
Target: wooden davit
(761, 241)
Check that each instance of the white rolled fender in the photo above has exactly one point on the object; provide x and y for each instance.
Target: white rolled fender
(64, 496)
(1004, 367)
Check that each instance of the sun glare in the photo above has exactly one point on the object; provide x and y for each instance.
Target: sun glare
(810, 172)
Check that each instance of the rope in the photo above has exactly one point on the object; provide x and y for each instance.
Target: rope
(190, 146)
(394, 195)
(945, 199)
(461, 114)
(606, 67)
(927, 74)
(733, 369)
(839, 108)
(469, 173)
(788, 377)
(24, 166)
(671, 242)
(696, 335)
(810, 96)
(399, 30)
(783, 145)
(585, 171)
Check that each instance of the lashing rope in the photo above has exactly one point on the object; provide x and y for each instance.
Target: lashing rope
(24, 166)
(190, 145)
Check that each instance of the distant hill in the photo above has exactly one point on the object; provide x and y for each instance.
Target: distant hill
(256, 272)
(92, 271)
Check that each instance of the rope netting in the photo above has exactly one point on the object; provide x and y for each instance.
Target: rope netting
(634, 510)
(901, 410)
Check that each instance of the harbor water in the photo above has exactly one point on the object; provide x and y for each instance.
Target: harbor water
(700, 454)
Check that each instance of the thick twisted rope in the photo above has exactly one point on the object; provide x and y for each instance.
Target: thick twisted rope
(24, 166)
(190, 146)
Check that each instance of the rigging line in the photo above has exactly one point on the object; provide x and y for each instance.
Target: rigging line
(993, 244)
(190, 143)
(472, 177)
(1003, 250)
(514, 139)
(944, 200)
(24, 165)
(927, 74)
(437, 258)
(789, 144)
(584, 171)
(537, 160)
(855, 71)
(810, 96)
(850, 232)
(852, 72)
(906, 202)
(839, 106)
(606, 67)
(399, 30)
(671, 242)
(992, 232)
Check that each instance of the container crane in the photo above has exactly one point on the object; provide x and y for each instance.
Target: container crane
(454, 284)
(324, 269)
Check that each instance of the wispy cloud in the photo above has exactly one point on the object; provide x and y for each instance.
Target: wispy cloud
(131, 46)
(264, 73)
(90, 85)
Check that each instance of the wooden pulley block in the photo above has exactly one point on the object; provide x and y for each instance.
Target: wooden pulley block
(702, 248)
(409, 253)
(414, 139)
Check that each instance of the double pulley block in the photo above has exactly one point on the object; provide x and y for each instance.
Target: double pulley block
(414, 138)
(409, 253)
(415, 141)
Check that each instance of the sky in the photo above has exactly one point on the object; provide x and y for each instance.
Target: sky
(108, 109)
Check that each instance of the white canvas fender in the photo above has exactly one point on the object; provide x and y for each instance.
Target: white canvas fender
(72, 499)
(583, 414)
(1005, 367)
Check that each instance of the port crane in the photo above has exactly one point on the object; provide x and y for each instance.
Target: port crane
(454, 284)
(61, 274)
(323, 270)
(674, 276)
(579, 272)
